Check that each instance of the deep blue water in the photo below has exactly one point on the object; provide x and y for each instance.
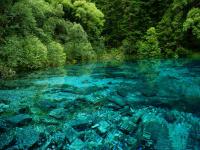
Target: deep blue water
(151, 104)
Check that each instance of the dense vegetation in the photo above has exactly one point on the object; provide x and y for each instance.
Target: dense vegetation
(129, 24)
(38, 33)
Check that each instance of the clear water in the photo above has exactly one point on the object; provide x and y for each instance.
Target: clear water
(152, 104)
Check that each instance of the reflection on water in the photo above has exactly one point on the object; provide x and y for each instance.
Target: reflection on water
(152, 104)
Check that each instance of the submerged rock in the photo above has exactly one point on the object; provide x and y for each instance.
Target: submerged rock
(194, 137)
(3, 108)
(127, 126)
(23, 110)
(6, 139)
(57, 141)
(118, 101)
(82, 121)
(122, 92)
(103, 127)
(70, 133)
(49, 121)
(46, 104)
(4, 101)
(125, 111)
(170, 117)
(113, 106)
(113, 136)
(155, 135)
(59, 113)
(148, 92)
(26, 137)
(92, 137)
(179, 135)
(77, 145)
(3, 125)
(132, 142)
(19, 120)
(93, 89)
(81, 100)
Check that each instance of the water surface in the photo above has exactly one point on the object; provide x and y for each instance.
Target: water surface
(152, 104)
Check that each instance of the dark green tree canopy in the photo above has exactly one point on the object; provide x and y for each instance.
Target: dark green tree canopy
(41, 33)
(70, 31)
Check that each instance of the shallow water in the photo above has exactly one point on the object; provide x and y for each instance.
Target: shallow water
(153, 104)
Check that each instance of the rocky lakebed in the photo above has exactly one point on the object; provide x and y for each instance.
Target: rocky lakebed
(141, 105)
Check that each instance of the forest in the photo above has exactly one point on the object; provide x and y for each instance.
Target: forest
(36, 34)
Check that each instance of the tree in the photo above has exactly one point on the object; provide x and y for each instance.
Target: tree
(170, 29)
(90, 17)
(128, 20)
(78, 48)
(37, 34)
(149, 47)
(56, 55)
(193, 22)
(24, 53)
(86, 14)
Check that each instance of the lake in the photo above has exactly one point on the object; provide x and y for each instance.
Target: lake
(143, 105)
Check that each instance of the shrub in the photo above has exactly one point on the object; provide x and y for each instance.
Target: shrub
(113, 55)
(182, 52)
(6, 72)
(149, 47)
(79, 52)
(78, 48)
(25, 53)
(193, 22)
(89, 16)
(56, 55)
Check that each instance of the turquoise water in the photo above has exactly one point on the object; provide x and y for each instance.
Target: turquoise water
(143, 105)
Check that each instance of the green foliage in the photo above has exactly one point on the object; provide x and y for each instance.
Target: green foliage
(182, 52)
(90, 17)
(112, 56)
(75, 40)
(79, 52)
(58, 29)
(128, 20)
(28, 16)
(128, 46)
(149, 47)
(24, 53)
(85, 13)
(56, 55)
(40, 33)
(193, 22)
(6, 72)
(37, 34)
(78, 48)
(171, 29)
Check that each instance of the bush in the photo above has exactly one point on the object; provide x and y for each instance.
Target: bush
(78, 48)
(79, 52)
(182, 52)
(113, 55)
(6, 72)
(56, 55)
(193, 22)
(57, 28)
(128, 47)
(25, 53)
(149, 47)
(89, 16)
